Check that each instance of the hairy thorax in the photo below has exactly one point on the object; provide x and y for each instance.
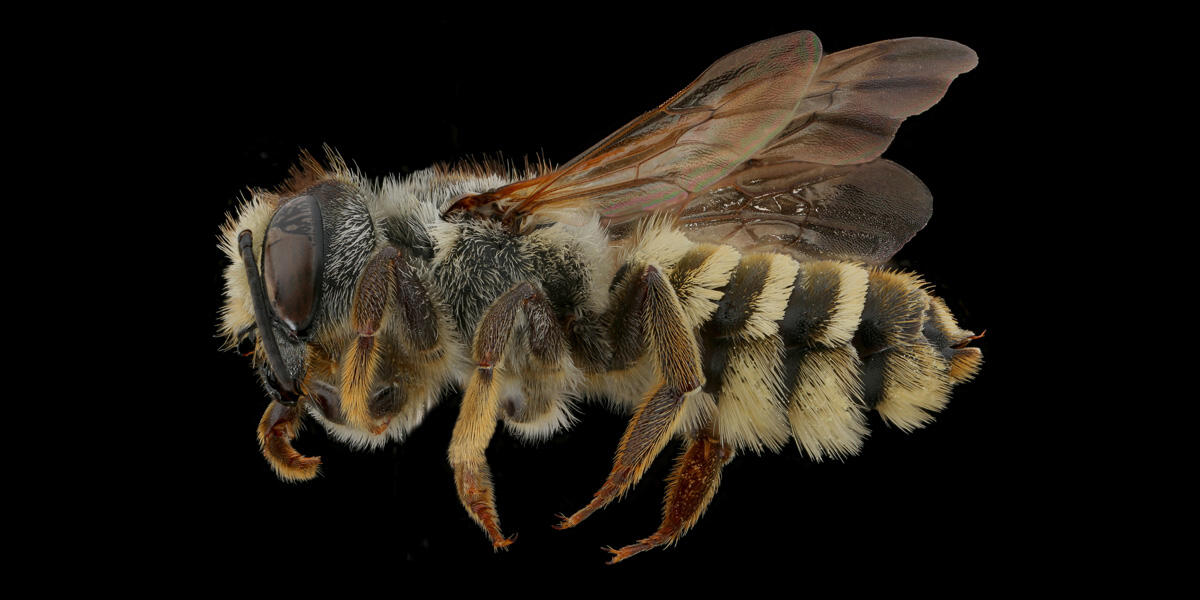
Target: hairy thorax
(465, 265)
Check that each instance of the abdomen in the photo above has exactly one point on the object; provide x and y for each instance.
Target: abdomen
(803, 350)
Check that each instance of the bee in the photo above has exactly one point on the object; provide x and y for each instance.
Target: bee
(713, 268)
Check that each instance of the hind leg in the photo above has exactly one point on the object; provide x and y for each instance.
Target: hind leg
(672, 344)
(691, 487)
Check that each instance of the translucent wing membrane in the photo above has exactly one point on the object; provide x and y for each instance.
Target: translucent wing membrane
(811, 211)
(759, 152)
(731, 111)
(661, 159)
(860, 96)
(812, 192)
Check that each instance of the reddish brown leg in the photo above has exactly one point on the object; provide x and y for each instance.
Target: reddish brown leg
(678, 359)
(692, 486)
(644, 438)
(480, 408)
(276, 430)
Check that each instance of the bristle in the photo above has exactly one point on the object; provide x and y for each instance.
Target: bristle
(307, 171)
(670, 339)
(906, 376)
(536, 403)
(941, 318)
(698, 409)
(476, 419)
(697, 278)
(965, 364)
(658, 242)
(915, 386)
(768, 305)
(744, 353)
(359, 366)
(826, 411)
(684, 480)
(847, 308)
(278, 426)
(826, 304)
(494, 165)
(237, 314)
(427, 375)
(560, 417)
(750, 403)
(895, 305)
(473, 430)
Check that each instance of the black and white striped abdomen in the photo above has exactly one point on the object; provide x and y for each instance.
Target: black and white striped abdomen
(802, 350)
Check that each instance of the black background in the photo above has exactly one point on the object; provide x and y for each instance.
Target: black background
(395, 94)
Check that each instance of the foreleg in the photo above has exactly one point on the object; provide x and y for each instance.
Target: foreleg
(367, 314)
(387, 278)
(276, 430)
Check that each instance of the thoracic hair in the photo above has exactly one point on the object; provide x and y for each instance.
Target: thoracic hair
(789, 350)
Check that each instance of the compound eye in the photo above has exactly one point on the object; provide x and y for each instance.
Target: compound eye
(293, 261)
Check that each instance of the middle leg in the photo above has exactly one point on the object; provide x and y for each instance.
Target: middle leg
(481, 403)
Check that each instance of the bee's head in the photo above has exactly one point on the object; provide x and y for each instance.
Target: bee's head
(293, 283)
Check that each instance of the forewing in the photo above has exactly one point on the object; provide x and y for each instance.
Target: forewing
(773, 147)
(860, 96)
(849, 212)
(663, 158)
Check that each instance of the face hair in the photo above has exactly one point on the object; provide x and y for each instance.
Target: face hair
(287, 388)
